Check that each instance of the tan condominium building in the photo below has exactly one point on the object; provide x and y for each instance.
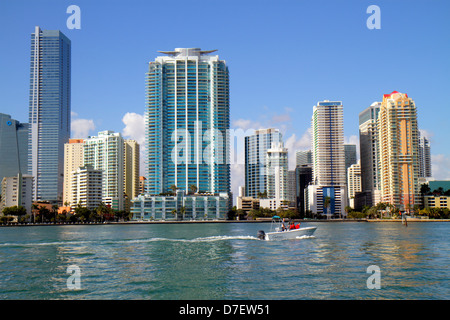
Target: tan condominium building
(73, 159)
(130, 170)
(399, 151)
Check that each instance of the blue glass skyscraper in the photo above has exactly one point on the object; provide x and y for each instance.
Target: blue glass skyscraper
(49, 111)
(187, 122)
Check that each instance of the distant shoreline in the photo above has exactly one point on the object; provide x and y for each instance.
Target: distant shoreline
(261, 220)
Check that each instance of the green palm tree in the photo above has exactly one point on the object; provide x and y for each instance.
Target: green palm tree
(174, 189)
(174, 212)
(55, 208)
(34, 208)
(327, 203)
(182, 212)
(193, 188)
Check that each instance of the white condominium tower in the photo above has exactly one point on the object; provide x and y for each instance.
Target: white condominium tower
(328, 144)
(86, 187)
(327, 195)
(105, 152)
(277, 172)
(353, 182)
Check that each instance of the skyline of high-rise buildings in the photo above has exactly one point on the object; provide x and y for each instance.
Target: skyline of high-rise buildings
(49, 111)
(186, 139)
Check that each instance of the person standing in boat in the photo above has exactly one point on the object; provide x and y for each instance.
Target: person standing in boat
(283, 227)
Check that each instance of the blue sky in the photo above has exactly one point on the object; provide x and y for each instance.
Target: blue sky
(283, 57)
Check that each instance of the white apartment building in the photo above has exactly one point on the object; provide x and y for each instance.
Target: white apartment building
(86, 187)
(106, 152)
(328, 155)
(17, 191)
(277, 172)
(353, 182)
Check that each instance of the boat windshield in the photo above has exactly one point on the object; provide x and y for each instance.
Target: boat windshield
(277, 224)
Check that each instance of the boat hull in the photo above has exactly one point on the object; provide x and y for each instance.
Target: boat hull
(290, 234)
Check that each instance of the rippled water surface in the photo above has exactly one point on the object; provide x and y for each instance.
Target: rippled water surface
(225, 261)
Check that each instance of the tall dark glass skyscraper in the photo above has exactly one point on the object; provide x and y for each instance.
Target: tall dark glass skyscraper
(49, 111)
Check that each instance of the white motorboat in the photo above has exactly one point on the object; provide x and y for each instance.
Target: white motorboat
(281, 231)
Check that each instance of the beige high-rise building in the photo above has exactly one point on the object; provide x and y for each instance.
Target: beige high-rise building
(130, 170)
(73, 159)
(399, 151)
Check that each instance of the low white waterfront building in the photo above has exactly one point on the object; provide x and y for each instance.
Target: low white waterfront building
(205, 206)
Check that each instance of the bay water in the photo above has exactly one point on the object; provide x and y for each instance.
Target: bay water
(222, 261)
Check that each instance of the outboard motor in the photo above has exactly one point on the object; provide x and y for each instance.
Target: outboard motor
(261, 235)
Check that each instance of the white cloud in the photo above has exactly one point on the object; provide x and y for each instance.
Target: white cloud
(262, 120)
(134, 127)
(246, 124)
(440, 166)
(81, 127)
(293, 144)
(237, 178)
(280, 118)
(135, 130)
(426, 133)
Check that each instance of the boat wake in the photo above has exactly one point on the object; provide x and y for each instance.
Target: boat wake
(123, 241)
(200, 239)
(305, 237)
